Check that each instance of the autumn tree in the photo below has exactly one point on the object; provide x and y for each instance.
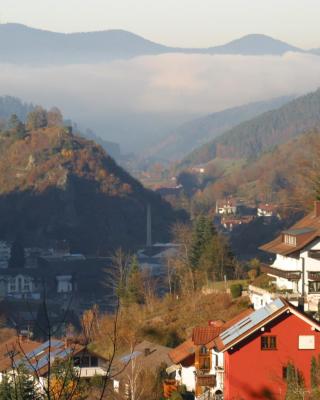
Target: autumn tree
(66, 383)
(54, 117)
(38, 118)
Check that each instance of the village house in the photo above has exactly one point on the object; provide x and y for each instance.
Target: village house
(296, 267)
(266, 210)
(247, 357)
(37, 358)
(227, 206)
(130, 369)
(231, 222)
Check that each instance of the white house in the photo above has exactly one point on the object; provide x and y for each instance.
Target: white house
(266, 210)
(226, 206)
(296, 267)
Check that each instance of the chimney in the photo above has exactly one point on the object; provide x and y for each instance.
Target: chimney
(301, 304)
(216, 323)
(147, 351)
(317, 208)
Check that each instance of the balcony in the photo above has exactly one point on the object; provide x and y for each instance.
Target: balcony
(89, 372)
(206, 380)
(289, 275)
(314, 276)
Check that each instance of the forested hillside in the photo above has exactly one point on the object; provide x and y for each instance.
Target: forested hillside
(56, 185)
(288, 176)
(201, 130)
(252, 138)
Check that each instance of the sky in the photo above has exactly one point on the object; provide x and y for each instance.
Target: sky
(189, 23)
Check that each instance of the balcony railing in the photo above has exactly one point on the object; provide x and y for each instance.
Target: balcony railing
(206, 380)
(290, 275)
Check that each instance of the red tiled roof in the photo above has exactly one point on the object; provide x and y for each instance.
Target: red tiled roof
(203, 335)
(183, 351)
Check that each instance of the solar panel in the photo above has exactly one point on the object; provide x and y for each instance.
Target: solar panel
(42, 362)
(249, 322)
(64, 353)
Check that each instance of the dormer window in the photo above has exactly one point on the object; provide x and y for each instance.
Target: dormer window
(290, 240)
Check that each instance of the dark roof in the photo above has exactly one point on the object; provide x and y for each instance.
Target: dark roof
(300, 231)
(148, 356)
(309, 229)
(13, 350)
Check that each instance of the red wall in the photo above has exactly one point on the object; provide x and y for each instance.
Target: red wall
(252, 373)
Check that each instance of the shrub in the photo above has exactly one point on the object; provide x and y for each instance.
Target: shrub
(236, 290)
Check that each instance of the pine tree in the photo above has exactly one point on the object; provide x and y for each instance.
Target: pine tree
(6, 388)
(19, 386)
(25, 384)
(203, 232)
(134, 290)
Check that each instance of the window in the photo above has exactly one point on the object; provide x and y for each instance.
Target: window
(284, 372)
(290, 240)
(94, 361)
(306, 342)
(203, 350)
(314, 287)
(84, 362)
(268, 343)
(205, 363)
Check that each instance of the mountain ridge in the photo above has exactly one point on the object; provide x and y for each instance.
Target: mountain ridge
(199, 131)
(32, 45)
(251, 138)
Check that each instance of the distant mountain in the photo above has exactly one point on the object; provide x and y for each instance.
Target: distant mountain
(55, 185)
(254, 45)
(113, 149)
(201, 130)
(22, 44)
(262, 133)
(19, 43)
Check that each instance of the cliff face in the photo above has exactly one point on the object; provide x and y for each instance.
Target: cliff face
(54, 185)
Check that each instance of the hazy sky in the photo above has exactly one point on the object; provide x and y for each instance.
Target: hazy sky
(175, 22)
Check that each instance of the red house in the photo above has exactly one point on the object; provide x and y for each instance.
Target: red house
(258, 349)
(247, 357)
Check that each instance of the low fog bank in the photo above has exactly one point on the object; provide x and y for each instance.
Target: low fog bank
(136, 102)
